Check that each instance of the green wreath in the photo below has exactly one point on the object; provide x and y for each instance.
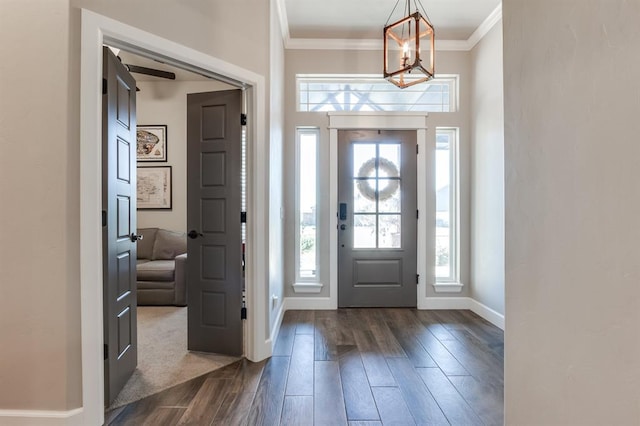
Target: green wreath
(365, 188)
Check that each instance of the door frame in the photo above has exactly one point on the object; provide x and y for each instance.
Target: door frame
(384, 121)
(96, 30)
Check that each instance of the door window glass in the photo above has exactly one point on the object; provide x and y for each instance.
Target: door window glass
(376, 195)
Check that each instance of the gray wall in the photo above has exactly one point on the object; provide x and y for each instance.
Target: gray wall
(572, 199)
(487, 172)
(165, 102)
(39, 171)
(363, 62)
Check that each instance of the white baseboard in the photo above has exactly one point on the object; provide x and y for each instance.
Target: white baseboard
(444, 303)
(324, 303)
(308, 303)
(487, 313)
(473, 305)
(41, 417)
(275, 329)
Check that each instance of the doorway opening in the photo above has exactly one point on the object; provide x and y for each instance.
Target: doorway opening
(96, 31)
(163, 356)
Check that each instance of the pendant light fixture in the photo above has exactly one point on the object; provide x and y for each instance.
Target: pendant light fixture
(409, 47)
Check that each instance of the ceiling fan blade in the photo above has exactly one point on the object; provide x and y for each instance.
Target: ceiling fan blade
(152, 72)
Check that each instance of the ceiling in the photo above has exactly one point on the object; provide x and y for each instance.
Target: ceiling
(355, 20)
(364, 19)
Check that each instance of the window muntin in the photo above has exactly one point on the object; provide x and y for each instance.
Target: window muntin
(306, 212)
(372, 93)
(446, 248)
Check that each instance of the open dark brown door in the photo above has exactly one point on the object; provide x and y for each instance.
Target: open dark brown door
(119, 224)
(214, 263)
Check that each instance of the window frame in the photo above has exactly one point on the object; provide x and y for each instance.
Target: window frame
(454, 203)
(306, 130)
(451, 79)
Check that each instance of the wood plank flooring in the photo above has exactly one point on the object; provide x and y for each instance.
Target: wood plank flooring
(349, 367)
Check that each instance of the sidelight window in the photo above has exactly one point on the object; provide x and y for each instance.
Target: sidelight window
(306, 212)
(446, 182)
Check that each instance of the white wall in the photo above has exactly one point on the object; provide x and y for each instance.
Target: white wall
(40, 168)
(366, 62)
(487, 172)
(572, 198)
(276, 243)
(165, 102)
(39, 209)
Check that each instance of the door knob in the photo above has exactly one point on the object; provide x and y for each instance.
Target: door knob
(135, 237)
(193, 234)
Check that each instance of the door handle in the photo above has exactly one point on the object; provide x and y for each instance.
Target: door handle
(135, 237)
(193, 234)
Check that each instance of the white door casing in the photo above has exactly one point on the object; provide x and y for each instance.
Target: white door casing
(374, 121)
(96, 31)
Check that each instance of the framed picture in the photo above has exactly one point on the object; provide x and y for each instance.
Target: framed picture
(151, 143)
(154, 188)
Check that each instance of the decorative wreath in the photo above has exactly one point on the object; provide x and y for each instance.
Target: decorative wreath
(365, 188)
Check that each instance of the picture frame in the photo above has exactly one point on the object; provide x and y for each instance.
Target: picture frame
(151, 143)
(154, 188)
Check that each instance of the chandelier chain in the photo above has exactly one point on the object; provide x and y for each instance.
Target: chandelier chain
(391, 14)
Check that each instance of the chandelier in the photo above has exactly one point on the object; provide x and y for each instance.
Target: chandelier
(409, 47)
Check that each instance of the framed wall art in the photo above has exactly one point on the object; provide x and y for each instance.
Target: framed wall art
(151, 143)
(154, 188)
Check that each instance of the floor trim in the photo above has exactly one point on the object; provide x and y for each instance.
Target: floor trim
(41, 417)
(473, 305)
(433, 303)
(308, 303)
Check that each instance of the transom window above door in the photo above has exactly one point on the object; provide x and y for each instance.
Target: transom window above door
(368, 93)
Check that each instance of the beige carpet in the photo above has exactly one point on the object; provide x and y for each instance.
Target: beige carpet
(163, 359)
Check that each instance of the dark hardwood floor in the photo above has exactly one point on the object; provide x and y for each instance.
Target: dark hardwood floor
(349, 367)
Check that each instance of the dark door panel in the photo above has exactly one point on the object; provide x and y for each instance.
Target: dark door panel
(377, 218)
(214, 280)
(119, 203)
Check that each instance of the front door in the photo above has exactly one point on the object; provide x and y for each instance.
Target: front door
(214, 185)
(118, 224)
(377, 218)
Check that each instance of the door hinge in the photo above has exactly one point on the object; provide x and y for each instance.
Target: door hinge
(104, 218)
(243, 313)
(104, 86)
(243, 119)
(417, 278)
(417, 148)
(106, 351)
(417, 214)
(243, 217)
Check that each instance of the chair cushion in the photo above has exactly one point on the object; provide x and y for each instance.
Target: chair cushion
(145, 245)
(149, 287)
(156, 270)
(169, 244)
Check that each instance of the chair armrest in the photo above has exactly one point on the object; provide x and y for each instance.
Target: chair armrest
(181, 280)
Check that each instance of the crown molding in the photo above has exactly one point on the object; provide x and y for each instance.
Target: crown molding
(374, 44)
(361, 44)
(284, 21)
(486, 26)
